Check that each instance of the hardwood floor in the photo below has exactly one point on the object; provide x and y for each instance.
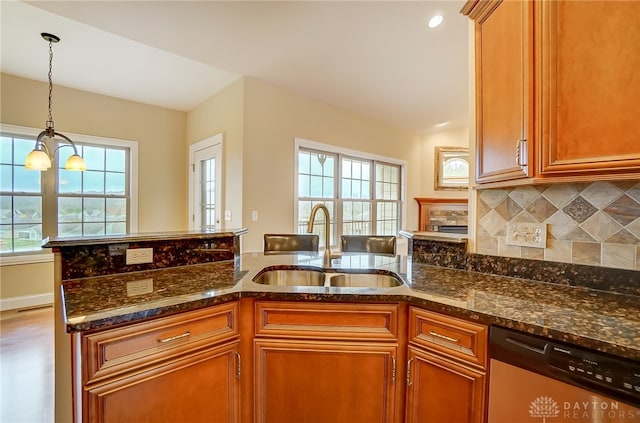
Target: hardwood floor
(26, 366)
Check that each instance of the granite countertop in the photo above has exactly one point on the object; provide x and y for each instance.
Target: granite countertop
(599, 320)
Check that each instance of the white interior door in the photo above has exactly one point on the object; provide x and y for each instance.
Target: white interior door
(205, 181)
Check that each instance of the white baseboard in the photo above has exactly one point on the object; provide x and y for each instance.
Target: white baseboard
(26, 301)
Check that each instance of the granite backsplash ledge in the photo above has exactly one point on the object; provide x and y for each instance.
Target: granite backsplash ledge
(454, 255)
(82, 259)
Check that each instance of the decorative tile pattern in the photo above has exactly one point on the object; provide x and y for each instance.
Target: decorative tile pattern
(579, 209)
(594, 223)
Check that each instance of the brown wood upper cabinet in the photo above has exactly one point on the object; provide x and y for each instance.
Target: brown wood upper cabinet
(556, 90)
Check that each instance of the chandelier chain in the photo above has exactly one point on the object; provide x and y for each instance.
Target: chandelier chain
(50, 79)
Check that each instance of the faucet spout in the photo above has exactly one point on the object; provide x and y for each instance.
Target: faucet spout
(327, 231)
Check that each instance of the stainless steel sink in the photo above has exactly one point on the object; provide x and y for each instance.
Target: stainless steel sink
(364, 280)
(291, 278)
(308, 277)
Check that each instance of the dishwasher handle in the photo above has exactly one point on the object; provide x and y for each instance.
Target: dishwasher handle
(518, 348)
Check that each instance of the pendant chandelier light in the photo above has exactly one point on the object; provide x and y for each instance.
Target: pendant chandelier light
(41, 156)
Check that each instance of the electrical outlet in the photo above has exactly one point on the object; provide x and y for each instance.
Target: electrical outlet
(227, 215)
(254, 215)
(139, 255)
(527, 234)
(143, 286)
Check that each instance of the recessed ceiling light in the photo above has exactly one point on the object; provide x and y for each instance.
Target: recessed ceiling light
(442, 123)
(435, 21)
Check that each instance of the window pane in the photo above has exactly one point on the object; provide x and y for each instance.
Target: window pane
(6, 239)
(6, 178)
(69, 182)
(6, 210)
(94, 157)
(93, 209)
(115, 183)
(26, 180)
(69, 229)
(93, 229)
(387, 182)
(21, 148)
(304, 165)
(27, 209)
(116, 209)
(116, 160)
(6, 150)
(69, 209)
(93, 182)
(304, 186)
(316, 186)
(116, 228)
(27, 237)
(388, 218)
(356, 218)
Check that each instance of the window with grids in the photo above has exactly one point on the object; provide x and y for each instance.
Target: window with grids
(363, 195)
(57, 202)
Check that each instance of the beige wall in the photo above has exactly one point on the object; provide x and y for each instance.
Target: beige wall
(223, 113)
(458, 137)
(162, 156)
(273, 119)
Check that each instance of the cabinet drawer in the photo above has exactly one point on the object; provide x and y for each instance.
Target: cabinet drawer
(451, 337)
(130, 347)
(327, 321)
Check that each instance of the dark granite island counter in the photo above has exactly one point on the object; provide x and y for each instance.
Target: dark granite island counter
(605, 321)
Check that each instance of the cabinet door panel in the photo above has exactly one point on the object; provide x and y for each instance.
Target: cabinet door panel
(503, 92)
(442, 391)
(590, 83)
(202, 387)
(324, 382)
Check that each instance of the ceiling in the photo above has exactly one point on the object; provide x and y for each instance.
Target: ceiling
(378, 59)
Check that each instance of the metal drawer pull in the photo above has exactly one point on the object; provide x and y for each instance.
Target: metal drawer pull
(519, 153)
(445, 337)
(409, 383)
(393, 370)
(174, 338)
(239, 365)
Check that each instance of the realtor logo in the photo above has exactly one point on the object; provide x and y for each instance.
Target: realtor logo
(544, 407)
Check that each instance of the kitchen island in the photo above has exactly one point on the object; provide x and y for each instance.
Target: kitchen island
(112, 307)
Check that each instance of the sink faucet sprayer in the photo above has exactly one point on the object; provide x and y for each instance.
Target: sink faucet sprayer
(327, 231)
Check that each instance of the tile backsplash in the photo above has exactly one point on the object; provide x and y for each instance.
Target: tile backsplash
(595, 223)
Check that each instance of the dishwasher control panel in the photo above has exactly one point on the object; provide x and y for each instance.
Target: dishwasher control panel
(597, 368)
(594, 370)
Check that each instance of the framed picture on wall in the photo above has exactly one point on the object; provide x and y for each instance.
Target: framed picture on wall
(452, 168)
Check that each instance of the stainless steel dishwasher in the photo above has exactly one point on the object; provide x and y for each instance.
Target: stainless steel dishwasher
(533, 379)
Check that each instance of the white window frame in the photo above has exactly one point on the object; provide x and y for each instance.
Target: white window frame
(27, 257)
(314, 145)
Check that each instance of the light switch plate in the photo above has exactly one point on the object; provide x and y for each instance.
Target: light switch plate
(527, 234)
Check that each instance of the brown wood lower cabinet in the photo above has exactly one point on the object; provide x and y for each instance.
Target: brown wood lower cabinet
(439, 390)
(327, 362)
(198, 388)
(446, 370)
(183, 368)
(320, 382)
(291, 362)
